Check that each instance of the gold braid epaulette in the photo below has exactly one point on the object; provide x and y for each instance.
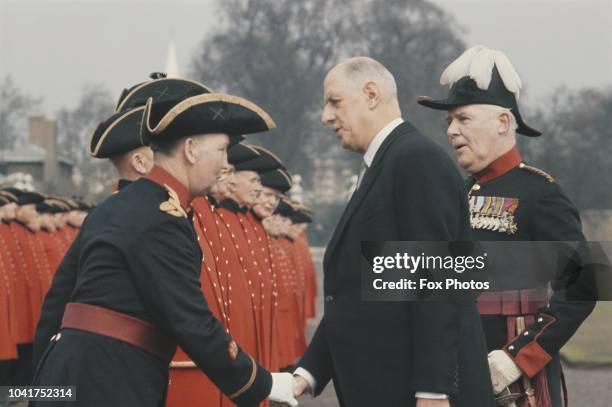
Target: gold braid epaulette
(538, 171)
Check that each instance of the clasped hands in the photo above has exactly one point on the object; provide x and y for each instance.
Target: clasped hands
(301, 386)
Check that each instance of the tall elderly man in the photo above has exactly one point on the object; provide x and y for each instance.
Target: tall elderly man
(511, 201)
(391, 353)
(137, 294)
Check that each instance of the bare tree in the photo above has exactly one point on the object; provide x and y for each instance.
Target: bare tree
(575, 146)
(276, 52)
(76, 125)
(415, 40)
(14, 108)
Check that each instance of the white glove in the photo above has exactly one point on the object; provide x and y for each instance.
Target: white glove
(503, 370)
(282, 389)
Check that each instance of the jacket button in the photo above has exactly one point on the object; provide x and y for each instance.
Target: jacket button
(329, 298)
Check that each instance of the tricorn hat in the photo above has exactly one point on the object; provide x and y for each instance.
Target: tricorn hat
(160, 88)
(30, 197)
(121, 132)
(482, 76)
(10, 193)
(204, 114)
(264, 161)
(301, 215)
(240, 152)
(277, 179)
(284, 208)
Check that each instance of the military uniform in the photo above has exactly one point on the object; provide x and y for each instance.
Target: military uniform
(141, 265)
(135, 271)
(511, 201)
(536, 209)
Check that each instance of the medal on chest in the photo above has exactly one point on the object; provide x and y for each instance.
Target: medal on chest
(495, 213)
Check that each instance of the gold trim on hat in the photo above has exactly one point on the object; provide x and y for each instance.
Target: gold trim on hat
(56, 203)
(144, 84)
(199, 100)
(287, 177)
(95, 151)
(250, 147)
(270, 153)
(8, 195)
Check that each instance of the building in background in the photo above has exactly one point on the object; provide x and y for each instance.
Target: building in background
(38, 158)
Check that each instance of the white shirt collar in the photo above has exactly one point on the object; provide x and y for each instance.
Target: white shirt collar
(377, 141)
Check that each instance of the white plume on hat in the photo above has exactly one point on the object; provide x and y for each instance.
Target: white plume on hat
(477, 63)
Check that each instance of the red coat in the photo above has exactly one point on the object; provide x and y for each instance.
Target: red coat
(24, 288)
(270, 294)
(305, 258)
(226, 289)
(235, 238)
(299, 294)
(285, 327)
(8, 347)
(188, 385)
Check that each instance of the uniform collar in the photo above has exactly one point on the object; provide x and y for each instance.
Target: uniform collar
(212, 200)
(500, 166)
(162, 177)
(255, 215)
(232, 206)
(377, 141)
(120, 184)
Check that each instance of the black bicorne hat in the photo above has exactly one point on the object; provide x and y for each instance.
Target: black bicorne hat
(277, 179)
(120, 133)
(204, 114)
(467, 76)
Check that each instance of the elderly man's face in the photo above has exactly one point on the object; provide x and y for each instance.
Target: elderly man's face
(346, 109)
(268, 201)
(225, 182)
(8, 211)
(27, 214)
(60, 220)
(473, 134)
(248, 187)
(47, 222)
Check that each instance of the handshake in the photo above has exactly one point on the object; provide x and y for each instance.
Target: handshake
(285, 388)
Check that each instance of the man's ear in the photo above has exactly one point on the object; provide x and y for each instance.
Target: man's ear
(372, 93)
(139, 163)
(231, 187)
(504, 123)
(189, 150)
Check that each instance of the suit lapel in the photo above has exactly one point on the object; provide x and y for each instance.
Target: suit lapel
(368, 180)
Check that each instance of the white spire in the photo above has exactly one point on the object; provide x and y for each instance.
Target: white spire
(172, 69)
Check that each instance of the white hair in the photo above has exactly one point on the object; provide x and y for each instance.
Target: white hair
(495, 111)
(364, 69)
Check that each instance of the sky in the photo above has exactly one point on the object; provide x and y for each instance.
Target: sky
(53, 48)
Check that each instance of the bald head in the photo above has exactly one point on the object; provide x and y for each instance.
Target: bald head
(358, 71)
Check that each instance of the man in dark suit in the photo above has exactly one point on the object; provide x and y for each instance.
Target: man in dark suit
(391, 353)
